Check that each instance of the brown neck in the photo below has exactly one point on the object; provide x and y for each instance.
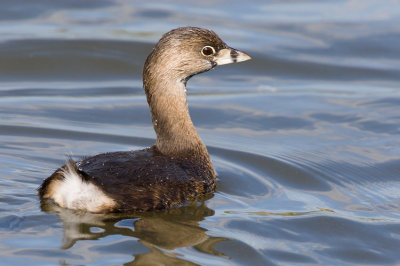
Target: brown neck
(176, 134)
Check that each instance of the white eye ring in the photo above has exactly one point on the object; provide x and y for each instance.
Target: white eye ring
(208, 50)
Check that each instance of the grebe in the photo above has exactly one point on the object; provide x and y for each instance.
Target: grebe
(177, 168)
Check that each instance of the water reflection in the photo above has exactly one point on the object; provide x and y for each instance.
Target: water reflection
(161, 233)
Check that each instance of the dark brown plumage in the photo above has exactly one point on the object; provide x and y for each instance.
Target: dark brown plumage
(177, 168)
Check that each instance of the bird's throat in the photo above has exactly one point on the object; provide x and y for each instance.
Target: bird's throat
(175, 131)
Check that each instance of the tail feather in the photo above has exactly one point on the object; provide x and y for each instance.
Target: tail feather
(57, 176)
(69, 188)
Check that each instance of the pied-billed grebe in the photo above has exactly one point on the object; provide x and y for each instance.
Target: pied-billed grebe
(177, 168)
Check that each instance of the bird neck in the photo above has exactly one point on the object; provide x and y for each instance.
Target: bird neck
(176, 134)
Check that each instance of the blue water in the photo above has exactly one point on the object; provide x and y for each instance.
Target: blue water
(304, 137)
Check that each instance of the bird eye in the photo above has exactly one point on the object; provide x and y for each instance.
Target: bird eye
(207, 50)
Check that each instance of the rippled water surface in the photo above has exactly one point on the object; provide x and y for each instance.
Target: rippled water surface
(305, 137)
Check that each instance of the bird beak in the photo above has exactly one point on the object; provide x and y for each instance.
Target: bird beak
(230, 55)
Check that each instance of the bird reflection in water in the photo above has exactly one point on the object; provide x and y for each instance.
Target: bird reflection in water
(161, 232)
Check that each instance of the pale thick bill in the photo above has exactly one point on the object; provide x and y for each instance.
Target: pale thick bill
(228, 56)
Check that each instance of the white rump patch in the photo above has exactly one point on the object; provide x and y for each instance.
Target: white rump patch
(74, 193)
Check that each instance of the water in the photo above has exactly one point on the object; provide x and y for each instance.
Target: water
(305, 137)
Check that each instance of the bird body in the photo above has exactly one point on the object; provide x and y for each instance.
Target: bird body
(177, 168)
